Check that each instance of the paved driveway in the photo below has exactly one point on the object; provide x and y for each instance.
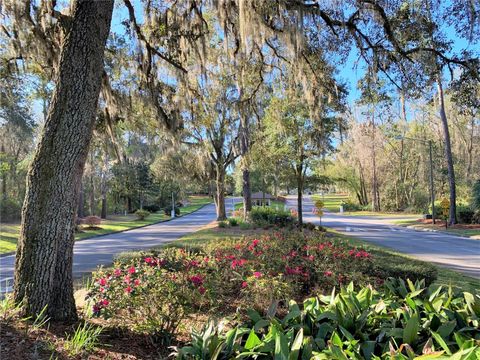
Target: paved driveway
(90, 253)
(455, 252)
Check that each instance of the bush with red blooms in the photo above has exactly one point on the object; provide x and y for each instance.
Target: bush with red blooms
(154, 292)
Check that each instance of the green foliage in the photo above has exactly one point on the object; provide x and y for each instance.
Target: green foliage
(351, 206)
(168, 210)
(404, 320)
(222, 224)
(233, 221)
(9, 210)
(142, 214)
(151, 208)
(476, 195)
(85, 338)
(261, 215)
(465, 214)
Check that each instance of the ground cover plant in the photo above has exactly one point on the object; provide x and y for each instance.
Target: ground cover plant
(154, 292)
(401, 320)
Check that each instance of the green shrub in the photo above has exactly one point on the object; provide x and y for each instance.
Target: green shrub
(92, 221)
(386, 265)
(9, 210)
(168, 210)
(222, 224)
(151, 208)
(233, 221)
(476, 217)
(142, 214)
(476, 196)
(309, 226)
(400, 321)
(465, 214)
(351, 206)
(262, 216)
(245, 226)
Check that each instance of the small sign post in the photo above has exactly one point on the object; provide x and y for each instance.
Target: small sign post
(445, 205)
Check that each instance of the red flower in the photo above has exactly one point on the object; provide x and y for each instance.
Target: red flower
(105, 302)
(127, 279)
(136, 282)
(117, 272)
(102, 281)
(328, 273)
(197, 280)
(257, 274)
(148, 260)
(202, 290)
(255, 242)
(128, 289)
(244, 284)
(131, 270)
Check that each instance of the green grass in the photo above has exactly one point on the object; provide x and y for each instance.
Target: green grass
(446, 276)
(457, 231)
(9, 232)
(331, 202)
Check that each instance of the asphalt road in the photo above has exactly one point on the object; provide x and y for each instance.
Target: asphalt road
(101, 250)
(451, 251)
(455, 252)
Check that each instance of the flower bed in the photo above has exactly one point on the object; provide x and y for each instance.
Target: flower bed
(153, 293)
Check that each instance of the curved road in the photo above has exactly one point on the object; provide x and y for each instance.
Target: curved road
(455, 252)
(101, 250)
(451, 251)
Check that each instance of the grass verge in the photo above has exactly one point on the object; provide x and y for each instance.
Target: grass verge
(472, 231)
(9, 232)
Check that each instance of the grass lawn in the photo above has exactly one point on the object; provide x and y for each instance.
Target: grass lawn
(331, 202)
(9, 232)
(459, 229)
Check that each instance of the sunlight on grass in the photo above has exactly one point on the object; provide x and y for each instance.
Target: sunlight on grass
(9, 232)
(331, 202)
(274, 204)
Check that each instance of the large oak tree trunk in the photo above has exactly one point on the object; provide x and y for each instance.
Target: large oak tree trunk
(43, 268)
(244, 148)
(299, 174)
(452, 218)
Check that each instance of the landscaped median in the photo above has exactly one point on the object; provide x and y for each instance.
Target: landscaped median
(275, 293)
(115, 223)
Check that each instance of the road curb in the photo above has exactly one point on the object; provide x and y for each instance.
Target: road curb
(413, 227)
(121, 231)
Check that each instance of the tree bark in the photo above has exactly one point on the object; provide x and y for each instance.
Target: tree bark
(43, 267)
(299, 171)
(4, 178)
(81, 201)
(220, 193)
(452, 217)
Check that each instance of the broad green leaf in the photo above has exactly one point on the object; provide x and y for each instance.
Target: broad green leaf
(446, 329)
(410, 330)
(281, 347)
(296, 346)
(441, 342)
(252, 341)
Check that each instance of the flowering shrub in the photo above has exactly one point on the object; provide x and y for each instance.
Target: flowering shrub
(92, 221)
(153, 293)
(142, 214)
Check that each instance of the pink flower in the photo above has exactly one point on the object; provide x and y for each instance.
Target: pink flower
(102, 281)
(105, 302)
(197, 280)
(328, 273)
(244, 284)
(127, 279)
(128, 289)
(136, 282)
(257, 274)
(206, 259)
(255, 242)
(102, 289)
(202, 290)
(148, 260)
(193, 263)
(238, 263)
(117, 272)
(131, 270)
